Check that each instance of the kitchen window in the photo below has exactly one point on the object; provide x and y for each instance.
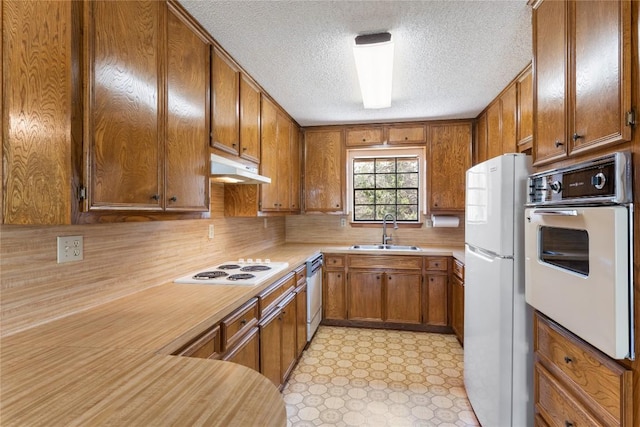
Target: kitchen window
(385, 181)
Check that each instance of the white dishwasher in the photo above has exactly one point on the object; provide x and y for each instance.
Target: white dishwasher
(314, 294)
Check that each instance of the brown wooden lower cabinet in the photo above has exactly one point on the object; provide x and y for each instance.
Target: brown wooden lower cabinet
(301, 314)
(576, 384)
(401, 291)
(247, 351)
(289, 348)
(457, 308)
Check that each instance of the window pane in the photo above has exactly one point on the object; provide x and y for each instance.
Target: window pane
(387, 180)
(385, 165)
(408, 197)
(407, 213)
(363, 213)
(385, 197)
(363, 166)
(364, 197)
(363, 181)
(408, 165)
(382, 210)
(407, 180)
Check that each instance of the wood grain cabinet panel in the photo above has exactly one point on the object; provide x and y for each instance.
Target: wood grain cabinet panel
(449, 159)
(249, 120)
(582, 90)
(584, 374)
(225, 90)
(402, 297)
(364, 296)
(550, 33)
(364, 136)
(289, 350)
(334, 297)
(124, 133)
(406, 134)
(437, 300)
(301, 321)
(457, 308)
(187, 135)
(324, 171)
(295, 171)
(247, 351)
(494, 130)
(524, 120)
(270, 347)
(508, 117)
(41, 116)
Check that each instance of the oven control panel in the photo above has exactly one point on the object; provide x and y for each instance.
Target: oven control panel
(603, 180)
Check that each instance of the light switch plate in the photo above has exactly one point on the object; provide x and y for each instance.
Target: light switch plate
(70, 248)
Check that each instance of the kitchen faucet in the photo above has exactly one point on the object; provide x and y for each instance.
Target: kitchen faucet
(386, 238)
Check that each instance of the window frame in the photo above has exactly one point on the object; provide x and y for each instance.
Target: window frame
(419, 152)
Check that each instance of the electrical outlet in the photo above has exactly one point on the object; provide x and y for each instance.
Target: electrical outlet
(70, 248)
(211, 232)
(428, 223)
(343, 222)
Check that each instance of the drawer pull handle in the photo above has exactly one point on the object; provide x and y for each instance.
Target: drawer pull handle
(568, 424)
(243, 322)
(567, 359)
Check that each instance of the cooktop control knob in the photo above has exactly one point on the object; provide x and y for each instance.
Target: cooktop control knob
(599, 180)
(556, 187)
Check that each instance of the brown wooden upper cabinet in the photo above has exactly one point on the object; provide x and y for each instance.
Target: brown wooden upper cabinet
(582, 87)
(143, 155)
(406, 134)
(449, 159)
(324, 171)
(364, 135)
(524, 120)
(369, 135)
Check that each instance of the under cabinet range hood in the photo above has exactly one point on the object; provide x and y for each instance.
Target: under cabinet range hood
(231, 172)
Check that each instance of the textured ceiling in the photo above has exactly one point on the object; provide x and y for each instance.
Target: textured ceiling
(451, 57)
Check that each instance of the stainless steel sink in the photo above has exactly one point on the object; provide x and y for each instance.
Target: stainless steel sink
(384, 248)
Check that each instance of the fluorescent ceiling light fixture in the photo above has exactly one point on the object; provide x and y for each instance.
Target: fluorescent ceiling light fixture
(374, 62)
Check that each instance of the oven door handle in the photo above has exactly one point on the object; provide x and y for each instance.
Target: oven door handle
(564, 212)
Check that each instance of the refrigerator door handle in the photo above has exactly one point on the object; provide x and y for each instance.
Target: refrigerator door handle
(486, 255)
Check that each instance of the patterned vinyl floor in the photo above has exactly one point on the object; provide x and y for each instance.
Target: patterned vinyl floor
(370, 377)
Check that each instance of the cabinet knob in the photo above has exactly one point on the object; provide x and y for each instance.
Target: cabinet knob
(406, 138)
(243, 322)
(234, 144)
(339, 276)
(567, 359)
(156, 197)
(389, 278)
(244, 148)
(364, 139)
(576, 136)
(559, 143)
(568, 424)
(174, 199)
(337, 206)
(378, 277)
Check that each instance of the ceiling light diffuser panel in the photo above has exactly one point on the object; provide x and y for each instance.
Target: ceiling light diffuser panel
(374, 62)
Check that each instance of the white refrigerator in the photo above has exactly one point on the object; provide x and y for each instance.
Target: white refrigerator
(497, 321)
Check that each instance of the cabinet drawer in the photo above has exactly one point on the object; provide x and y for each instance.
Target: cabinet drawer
(364, 136)
(601, 382)
(270, 297)
(556, 404)
(432, 263)
(331, 261)
(238, 323)
(206, 346)
(301, 275)
(246, 352)
(398, 262)
(458, 269)
(407, 134)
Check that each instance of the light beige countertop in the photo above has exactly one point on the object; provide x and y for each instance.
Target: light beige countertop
(111, 364)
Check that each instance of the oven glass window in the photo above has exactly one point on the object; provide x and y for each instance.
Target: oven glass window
(565, 248)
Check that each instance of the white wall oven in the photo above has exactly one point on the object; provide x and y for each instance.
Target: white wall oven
(579, 251)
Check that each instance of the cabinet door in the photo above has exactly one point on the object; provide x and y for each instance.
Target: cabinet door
(187, 143)
(481, 140)
(41, 112)
(269, 157)
(247, 352)
(270, 347)
(296, 169)
(402, 297)
(602, 53)
(334, 296)
(301, 319)
(436, 300)
(525, 111)
(494, 131)
(123, 133)
(289, 351)
(283, 135)
(225, 81)
(249, 120)
(364, 136)
(406, 134)
(449, 159)
(323, 171)
(364, 296)
(550, 86)
(457, 308)
(508, 103)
